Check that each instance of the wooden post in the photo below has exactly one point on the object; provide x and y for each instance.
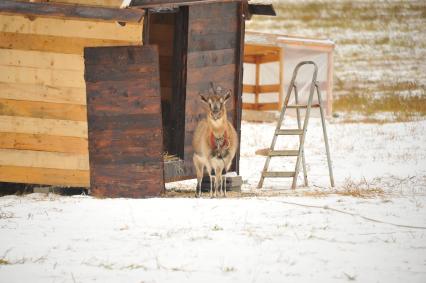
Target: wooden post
(329, 106)
(281, 74)
(257, 83)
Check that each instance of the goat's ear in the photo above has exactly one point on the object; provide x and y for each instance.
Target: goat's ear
(227, 94)
(203, 98)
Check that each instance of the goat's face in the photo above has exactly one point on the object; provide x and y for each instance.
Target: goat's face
(215, 101)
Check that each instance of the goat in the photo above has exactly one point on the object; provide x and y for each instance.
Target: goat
(215, 140)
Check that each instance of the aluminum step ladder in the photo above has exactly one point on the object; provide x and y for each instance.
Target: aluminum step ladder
(300, 131)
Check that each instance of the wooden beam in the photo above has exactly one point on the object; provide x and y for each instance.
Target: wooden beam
(249, 88)
(44, 93)
(281, 79)
(44, 159)
(261, 106)
(46, 176)
(268, 88)
(13, 124)
(269, 58)
(53, 78)
(255, 49)
(70, 28)
(46, 110)
(174, 3)
(56, 10)
(330, 67)
(39, 59)
(257, 77)
(261, 89)
(249, 59)
(58, 44)
(44, 143)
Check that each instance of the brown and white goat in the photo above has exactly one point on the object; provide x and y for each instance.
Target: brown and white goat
(215, 140)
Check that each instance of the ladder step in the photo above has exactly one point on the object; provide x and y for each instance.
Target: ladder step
(278, 174)
(284, 153)
(293, 106)
(289, 132)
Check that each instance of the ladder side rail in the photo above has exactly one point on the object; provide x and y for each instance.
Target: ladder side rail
(324, 130)
(305, 124)
(299, 126)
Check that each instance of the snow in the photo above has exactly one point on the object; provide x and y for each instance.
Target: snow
(314, 233)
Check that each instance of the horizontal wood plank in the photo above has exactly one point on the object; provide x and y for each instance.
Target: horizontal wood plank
(71, 11)
(214, 10)
(43, 143)
(38, 59)
(43, 159)
(261, 89)
(112, 106)
(44, 93)
(70, 28)
(102, 56)
(45, 176)
(128, 180)
(47, 110)
(217, 25)
(217, 41)
(59, 44)
(13, 124)
(103, 3)
(65, 78)
(211, 58)
(262, 106)
(213, 73)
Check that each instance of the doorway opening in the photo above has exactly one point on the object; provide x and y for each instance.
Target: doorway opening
(168, 29)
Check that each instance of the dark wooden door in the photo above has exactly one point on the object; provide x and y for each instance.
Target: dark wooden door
(124, 121)
(215, 42)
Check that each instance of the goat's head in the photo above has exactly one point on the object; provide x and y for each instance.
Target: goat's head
(215, 100)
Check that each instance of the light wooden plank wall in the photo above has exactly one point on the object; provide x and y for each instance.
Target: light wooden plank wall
(43, 120)
(103, 3)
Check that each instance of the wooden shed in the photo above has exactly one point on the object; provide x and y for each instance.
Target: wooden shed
(269, 61)
(93, 95)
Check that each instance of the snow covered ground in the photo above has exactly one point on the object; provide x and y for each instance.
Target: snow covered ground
(367, 229)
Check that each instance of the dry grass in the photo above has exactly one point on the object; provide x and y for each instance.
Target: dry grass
(380, 47)
(356, 192)
(403, 108)
(170, 157)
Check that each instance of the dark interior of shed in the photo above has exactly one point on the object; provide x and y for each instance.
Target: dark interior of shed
(168, 30)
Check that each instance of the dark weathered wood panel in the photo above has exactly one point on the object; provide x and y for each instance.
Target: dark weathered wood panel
(101, 56)
(134, 104)
(216, 74)
(214, 41)
(124, 119)
(70, 11)
(213, 50)
(211, 58)
(214, 10)
(127, 180)
(218, 25)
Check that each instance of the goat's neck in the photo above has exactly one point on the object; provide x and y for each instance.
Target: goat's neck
(218, 127)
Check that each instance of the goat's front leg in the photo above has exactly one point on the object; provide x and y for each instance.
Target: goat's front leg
(224, 181)
(209, 171)
(218, 173)
(199, 168)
